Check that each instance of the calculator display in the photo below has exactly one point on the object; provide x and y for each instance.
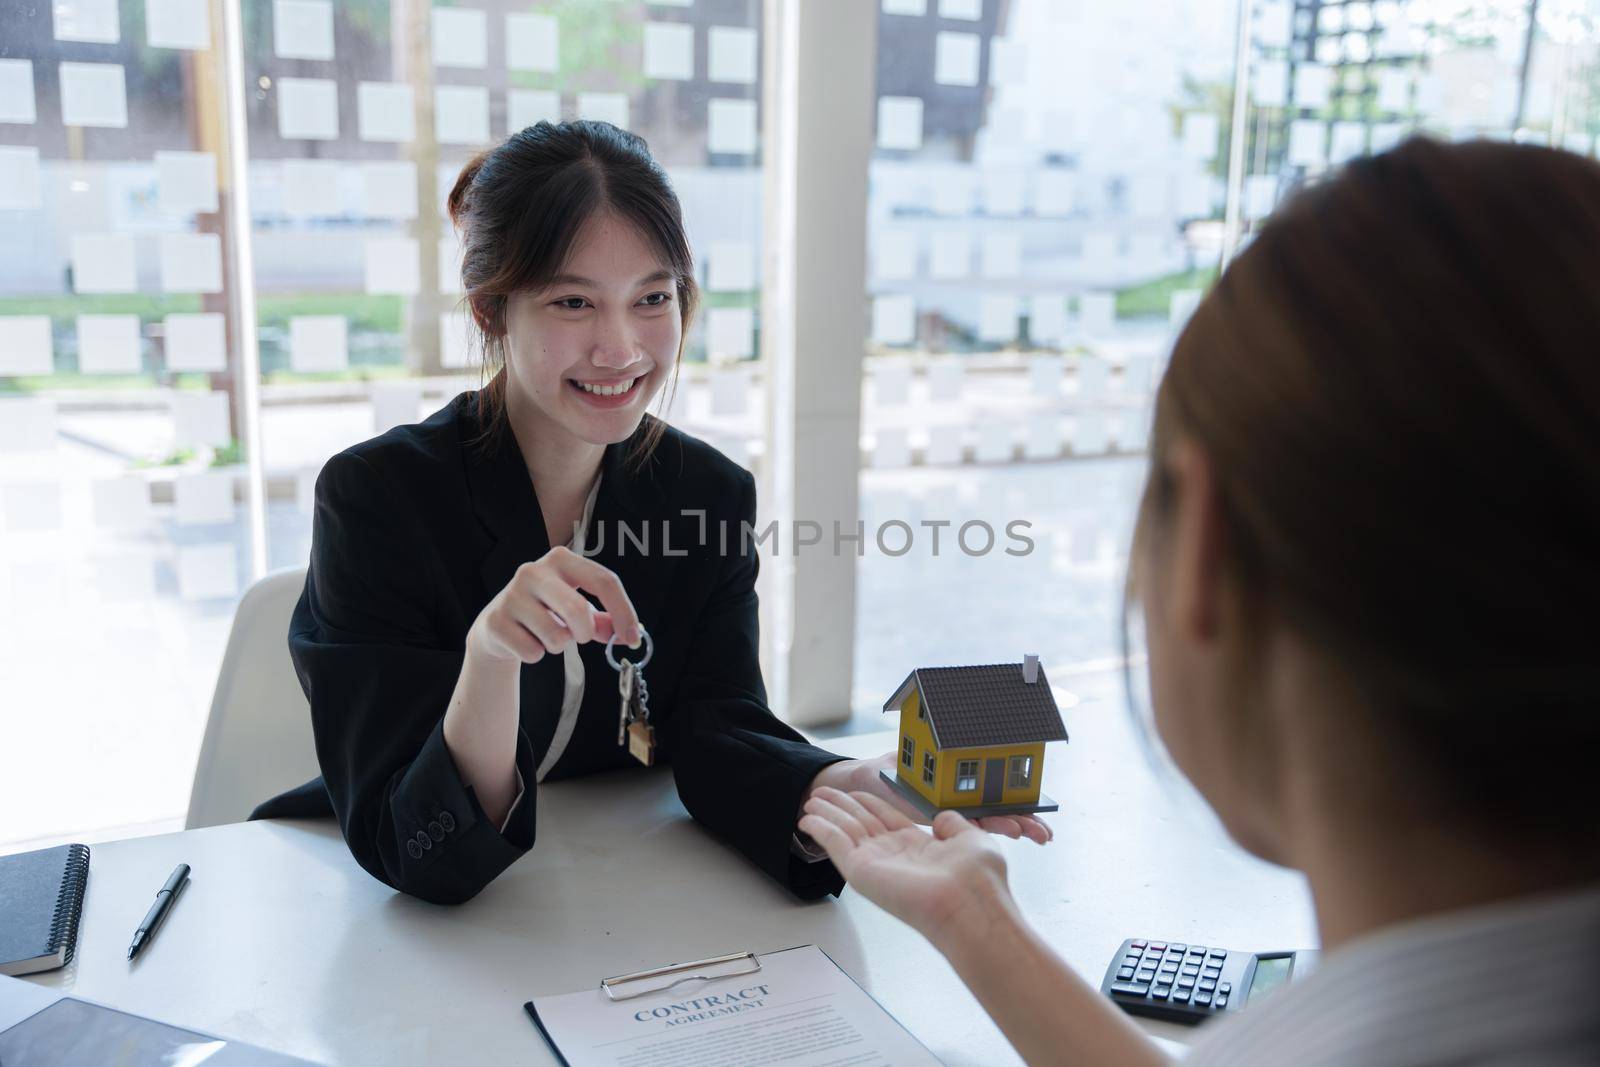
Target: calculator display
(1271, 972)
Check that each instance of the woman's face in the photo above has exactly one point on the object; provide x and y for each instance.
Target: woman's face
(1214, 723)
(589, 351)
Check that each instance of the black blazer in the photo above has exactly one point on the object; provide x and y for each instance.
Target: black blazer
(412, 535)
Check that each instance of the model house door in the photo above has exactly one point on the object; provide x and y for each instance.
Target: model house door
(994, 780)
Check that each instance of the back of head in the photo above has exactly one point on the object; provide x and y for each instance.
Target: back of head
(1398, 383)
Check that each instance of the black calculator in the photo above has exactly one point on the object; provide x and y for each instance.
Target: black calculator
(1191, 983)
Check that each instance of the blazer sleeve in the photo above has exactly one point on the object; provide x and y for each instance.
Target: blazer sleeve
(740, 770)
(368, 655)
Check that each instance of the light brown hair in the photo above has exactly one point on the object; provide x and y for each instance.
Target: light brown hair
(1398, 386)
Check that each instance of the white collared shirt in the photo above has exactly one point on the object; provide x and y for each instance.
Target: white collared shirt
(1492, 986)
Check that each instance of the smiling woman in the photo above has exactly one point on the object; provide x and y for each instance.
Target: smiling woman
(629, 330)
(458, 604)
(597, 260)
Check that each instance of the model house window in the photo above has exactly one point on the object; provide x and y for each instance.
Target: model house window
(966, 775)
(908, 748)
(927, 767)
(922, 712)
(1019, 772)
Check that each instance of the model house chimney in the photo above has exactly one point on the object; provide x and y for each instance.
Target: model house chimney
(1030, 668)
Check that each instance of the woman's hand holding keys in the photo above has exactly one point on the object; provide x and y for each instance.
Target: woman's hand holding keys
(541, 610)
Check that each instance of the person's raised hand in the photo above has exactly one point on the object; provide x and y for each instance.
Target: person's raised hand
(862, 775)
(541, 610)
(929, 880)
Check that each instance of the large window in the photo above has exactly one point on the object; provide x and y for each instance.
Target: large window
(362, 118)
(123, 542)
(125, 523)
(1055, 184)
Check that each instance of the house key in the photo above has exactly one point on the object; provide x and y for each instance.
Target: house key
(633, 722)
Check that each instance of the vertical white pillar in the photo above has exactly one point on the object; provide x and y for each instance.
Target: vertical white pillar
(1232, 216)
(820, 85)
(242, 294)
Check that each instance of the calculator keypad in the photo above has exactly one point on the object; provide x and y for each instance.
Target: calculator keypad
(1187, 978)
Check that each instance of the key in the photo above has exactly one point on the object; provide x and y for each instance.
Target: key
(641, 735)
(625, 689)
(633, 722)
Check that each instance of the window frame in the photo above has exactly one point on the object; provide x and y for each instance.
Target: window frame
(1025, 761)
(973, 776)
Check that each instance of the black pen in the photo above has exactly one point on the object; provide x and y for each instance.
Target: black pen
(158, 911)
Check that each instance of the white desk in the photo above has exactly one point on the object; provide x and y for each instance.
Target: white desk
(283, 941)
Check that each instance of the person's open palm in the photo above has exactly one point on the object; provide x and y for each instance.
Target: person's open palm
(923, 878)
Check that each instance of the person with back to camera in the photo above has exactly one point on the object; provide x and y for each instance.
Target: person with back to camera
(1368, 558)
(444, 639)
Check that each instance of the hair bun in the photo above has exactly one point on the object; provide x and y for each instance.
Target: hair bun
(457, 203)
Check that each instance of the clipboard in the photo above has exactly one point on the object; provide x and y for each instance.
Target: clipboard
(613, 994)
(659, 979)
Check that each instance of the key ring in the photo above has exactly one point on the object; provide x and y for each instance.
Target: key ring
(649, 650)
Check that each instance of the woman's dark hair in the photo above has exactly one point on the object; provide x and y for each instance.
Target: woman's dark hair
(519, 207)
(1398, 386)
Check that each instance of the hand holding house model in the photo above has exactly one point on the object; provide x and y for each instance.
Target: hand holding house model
(972, 738)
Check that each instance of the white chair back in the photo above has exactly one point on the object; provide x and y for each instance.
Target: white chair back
(258, 739)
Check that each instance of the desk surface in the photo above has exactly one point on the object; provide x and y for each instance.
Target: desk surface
(283, 941)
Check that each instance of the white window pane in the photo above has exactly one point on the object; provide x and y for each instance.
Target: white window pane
(94, 21)
(385, 112)
(669, 50)
(196, 342)
(108, 344)
(460, 37)
(186, 182)
(532, 42)
(94, 94)
(900, 122)
(16, 91)
(302, 29)
(308, 109)
(733, 54)
(529, 107)
(178, 24)
(25, 345)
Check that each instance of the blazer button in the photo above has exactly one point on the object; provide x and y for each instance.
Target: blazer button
(447, 821)
(436, 831)
(415, 849)
(424, 840)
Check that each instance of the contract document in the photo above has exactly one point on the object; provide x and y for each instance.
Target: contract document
(795, 1007)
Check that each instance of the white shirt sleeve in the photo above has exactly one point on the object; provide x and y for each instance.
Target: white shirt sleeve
(803, 846)
(512, 810)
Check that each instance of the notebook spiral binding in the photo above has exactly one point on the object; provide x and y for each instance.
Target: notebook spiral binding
(69, 904)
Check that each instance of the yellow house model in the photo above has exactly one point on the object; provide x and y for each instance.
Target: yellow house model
(972, 738)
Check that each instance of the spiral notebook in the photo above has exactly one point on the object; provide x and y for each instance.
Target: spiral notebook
(42, 897)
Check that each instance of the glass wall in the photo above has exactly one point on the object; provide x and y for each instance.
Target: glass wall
(1332, 81)
(123, 545)
(1049, 195)
(124, 521)
(361, 118)
(1049, 199)
(1046, 203)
